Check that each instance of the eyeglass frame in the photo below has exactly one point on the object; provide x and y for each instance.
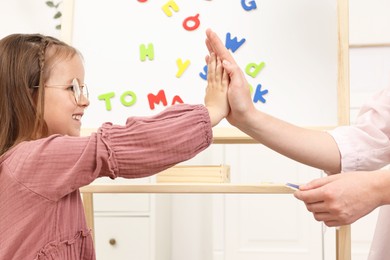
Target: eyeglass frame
(77, 90)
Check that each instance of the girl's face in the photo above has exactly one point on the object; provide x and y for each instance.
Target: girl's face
(62, 114)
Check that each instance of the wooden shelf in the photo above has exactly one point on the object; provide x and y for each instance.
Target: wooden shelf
(189, 188)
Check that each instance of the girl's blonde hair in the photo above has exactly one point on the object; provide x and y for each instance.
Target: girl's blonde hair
(25, 62)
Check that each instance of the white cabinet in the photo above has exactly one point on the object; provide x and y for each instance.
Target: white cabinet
(248, 226)
(135, 204)
(122, 237)
(124, 223)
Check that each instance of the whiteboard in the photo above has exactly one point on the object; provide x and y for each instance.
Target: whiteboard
(294, 42)
(369, 22)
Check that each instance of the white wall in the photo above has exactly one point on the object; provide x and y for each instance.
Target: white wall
(25, 16)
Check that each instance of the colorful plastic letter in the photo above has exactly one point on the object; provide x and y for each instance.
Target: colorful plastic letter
(107, 99)
(203, 74)
(233, 44)
(251, 6)
(168, 6)
(252, 69)
(177, 99)
(156, 99)
(259, 94)
(194, 19)
(149, 52)
(182, 67)
(132, 101)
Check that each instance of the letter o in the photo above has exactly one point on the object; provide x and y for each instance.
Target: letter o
(131, 102)
(194, 19)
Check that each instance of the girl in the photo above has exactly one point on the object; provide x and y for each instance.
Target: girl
(44, 161)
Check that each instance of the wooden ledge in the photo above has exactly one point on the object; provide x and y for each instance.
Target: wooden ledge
(227, 188)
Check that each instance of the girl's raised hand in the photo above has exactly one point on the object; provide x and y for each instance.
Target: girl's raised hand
(216, 99)
(239, 95)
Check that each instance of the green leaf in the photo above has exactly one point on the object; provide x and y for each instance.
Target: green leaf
(57, 15)
(58, 27)
(50, 3)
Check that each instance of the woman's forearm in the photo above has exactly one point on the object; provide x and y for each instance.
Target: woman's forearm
(312, 147)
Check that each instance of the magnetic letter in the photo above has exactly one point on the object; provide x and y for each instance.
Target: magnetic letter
(106, 97)
(252, 69)
(146, 52)
(131, 102)
(233, 44)
(177, 99)
(170, 4)
(157, 99)
(259, 94)
(204, 75)
(194, 20)
(182, 67)
(251, 6)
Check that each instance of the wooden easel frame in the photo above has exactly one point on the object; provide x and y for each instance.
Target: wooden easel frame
(343, 235)
(231, 136)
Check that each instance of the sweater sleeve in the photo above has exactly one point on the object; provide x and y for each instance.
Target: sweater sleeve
(148, 145)
(366, 145)
(55, 166)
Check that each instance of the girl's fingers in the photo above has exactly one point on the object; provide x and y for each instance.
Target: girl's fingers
(225, 78)
(211, 67)
(219, 70)
(208, 45)
(215, 44)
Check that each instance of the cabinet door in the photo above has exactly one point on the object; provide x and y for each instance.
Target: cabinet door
(129, 203)
(268, 226)
(122, 238)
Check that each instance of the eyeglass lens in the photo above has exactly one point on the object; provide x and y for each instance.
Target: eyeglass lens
(78, 91)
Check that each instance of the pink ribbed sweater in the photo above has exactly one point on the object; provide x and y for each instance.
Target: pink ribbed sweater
(41, 213)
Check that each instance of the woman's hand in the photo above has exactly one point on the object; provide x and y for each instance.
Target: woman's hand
(239, 93)
(341, 199)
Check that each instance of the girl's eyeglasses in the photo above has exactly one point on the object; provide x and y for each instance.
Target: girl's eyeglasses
(77, 89)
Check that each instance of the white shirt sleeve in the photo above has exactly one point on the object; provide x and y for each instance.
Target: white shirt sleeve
(366, 145)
